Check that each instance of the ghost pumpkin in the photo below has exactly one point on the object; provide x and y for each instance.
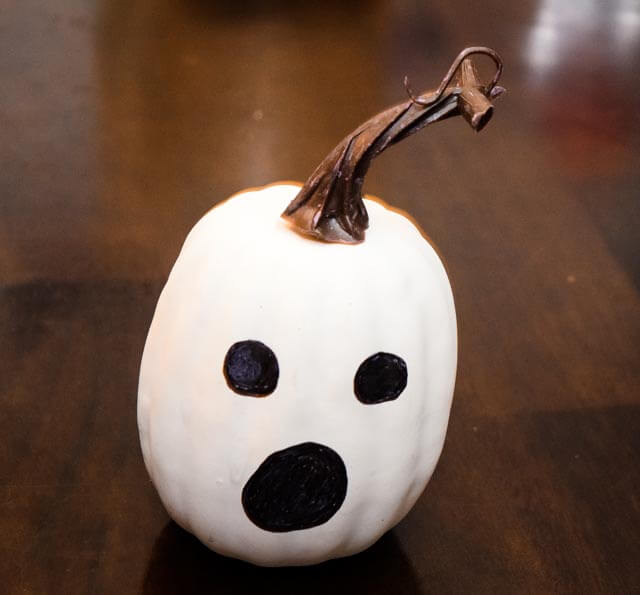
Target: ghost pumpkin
(297, 377)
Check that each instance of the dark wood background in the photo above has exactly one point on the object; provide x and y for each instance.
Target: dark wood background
(123, 122)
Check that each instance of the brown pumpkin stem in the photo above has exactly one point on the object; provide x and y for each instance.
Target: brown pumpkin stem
(329, 206)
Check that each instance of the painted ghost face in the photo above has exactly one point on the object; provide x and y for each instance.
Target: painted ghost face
(294, 394)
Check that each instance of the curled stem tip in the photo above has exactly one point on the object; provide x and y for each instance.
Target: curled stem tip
(329, 206)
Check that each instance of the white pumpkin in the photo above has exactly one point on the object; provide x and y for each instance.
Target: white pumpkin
(294, 393)
(202, 441)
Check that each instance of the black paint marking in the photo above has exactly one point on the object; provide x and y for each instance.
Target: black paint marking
(251, 368)
(296, 488)
(381, 377)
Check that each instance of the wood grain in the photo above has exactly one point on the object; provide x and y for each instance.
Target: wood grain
(124, 122)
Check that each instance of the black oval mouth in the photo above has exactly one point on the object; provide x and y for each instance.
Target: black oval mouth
(296, 488)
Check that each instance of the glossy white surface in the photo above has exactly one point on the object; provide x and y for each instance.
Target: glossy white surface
(322, 308)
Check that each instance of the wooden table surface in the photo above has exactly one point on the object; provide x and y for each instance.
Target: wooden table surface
(124, 122)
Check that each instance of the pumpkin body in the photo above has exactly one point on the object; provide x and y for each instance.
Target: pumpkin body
(322, 309)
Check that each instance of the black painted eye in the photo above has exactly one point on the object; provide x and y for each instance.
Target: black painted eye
(381, 377)
(251, 368)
